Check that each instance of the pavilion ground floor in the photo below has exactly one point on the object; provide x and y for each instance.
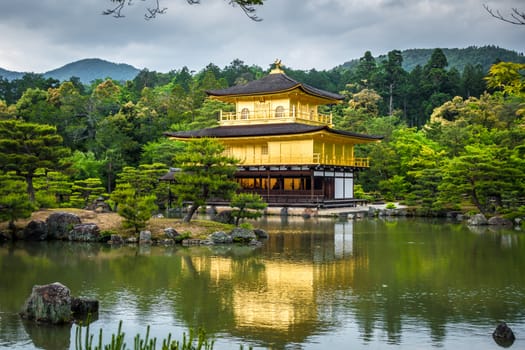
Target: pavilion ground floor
(302, 186)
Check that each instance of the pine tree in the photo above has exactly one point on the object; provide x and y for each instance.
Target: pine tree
(206, 173)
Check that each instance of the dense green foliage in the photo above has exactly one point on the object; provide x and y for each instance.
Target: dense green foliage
(457, 58)
(247, 205)
(73, 143)
(206, 174)
(14, 202)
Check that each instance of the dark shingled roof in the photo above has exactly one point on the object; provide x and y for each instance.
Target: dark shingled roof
(273, 83)
(264, 130)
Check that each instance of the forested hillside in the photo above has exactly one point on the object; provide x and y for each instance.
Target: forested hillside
(457, 58)
(91, 69)
(86, 70)
(453, 139)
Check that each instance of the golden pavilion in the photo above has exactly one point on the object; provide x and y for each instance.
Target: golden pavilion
(288, 152)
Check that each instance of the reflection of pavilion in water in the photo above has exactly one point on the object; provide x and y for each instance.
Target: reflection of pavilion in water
(285, 294)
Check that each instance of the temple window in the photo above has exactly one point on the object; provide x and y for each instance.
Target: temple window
(245, 113)
(279, 112)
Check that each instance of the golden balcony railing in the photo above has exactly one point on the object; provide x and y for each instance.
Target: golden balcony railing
(275, 116)
(315, 159)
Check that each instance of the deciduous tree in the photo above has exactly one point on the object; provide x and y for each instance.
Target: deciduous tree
(248, 6)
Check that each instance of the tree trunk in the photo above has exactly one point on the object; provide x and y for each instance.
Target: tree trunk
(190, 213)
(30, 188)
(12, 227)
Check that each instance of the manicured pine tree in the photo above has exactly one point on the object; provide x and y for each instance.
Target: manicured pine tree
(206, 173)
(26, 147)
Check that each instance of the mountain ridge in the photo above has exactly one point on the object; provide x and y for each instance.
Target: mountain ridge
(91, 69)
(87, 70)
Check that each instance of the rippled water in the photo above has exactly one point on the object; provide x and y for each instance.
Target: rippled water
(315, 284)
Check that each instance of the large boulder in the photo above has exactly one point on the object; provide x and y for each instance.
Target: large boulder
(242, 235)
(477, 220)
(50, 303)
(36, 230)
(85, 233)
(499, 221)
(220, 237)
(145, 237)
(60, 223)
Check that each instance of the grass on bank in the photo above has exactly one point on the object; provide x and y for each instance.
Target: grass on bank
(112, 222)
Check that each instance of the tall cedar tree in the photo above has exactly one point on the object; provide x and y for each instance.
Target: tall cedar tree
(26, 147)
(206, 173)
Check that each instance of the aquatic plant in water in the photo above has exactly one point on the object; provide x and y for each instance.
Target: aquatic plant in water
(196, 340)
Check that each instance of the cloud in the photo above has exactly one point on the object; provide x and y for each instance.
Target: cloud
(45, 34)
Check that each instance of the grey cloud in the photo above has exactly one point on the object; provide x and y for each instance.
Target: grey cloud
(44, 34)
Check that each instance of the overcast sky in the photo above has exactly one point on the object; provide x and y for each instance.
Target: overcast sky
(38, 36)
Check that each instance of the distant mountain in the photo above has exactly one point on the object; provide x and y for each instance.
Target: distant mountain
(87, 70)
(92, 69)
(457, 58)
(10, 75)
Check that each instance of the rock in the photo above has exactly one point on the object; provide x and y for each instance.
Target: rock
(477, 220)
(50, 303)
(59, 224)
(145, 237)
(191, 241)
(171, 233)
(36, 230)
(116, 239)
(85, 233)
(260, 233)
(499, 221)
(255, 242)
(3, 237)
(220, 237)
(83, 306)
(503, 335)
(242, 235)
(167, 241)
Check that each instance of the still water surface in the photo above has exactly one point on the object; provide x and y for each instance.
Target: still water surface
(314, 284)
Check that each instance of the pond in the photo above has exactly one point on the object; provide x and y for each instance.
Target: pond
(314, 284)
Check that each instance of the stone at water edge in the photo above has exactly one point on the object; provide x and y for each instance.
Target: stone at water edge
(240, 234)
(145, 237)
(503, 335)
(50, 303)
(84, 306)
(260, 233)
(59, 225)
(53, 303)
(220, 237)
(85, 233)
(36, 230)
(478, 220)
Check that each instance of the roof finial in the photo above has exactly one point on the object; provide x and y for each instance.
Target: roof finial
(277, 69)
